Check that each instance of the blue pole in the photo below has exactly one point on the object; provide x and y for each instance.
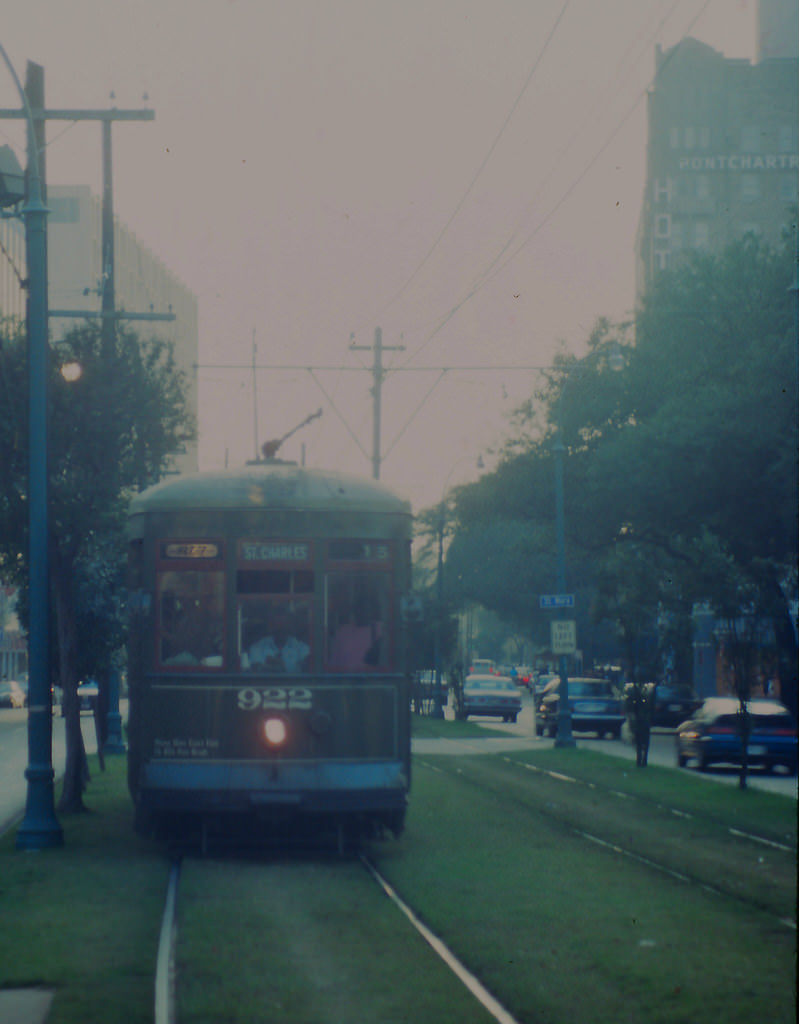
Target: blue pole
(114, 744)
(438, 699)
(564, 737)
(39, 828)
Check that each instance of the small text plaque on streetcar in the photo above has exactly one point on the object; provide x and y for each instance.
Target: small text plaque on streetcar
(564, 636)
(556, 601)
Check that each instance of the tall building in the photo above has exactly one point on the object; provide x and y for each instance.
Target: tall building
(142, 284)
(723, 146)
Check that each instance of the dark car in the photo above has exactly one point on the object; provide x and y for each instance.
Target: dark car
(594, 706)
(712, 735)
(11, 694)
(495, 696)
(673, 705)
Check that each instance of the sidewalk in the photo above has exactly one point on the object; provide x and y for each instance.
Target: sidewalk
(25, 1005)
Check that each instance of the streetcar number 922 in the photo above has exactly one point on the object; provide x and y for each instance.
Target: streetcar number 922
(280, 698)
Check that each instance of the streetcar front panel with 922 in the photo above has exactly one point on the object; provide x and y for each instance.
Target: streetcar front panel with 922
(267, 649)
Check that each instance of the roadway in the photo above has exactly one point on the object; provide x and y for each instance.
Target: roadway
(661, 752)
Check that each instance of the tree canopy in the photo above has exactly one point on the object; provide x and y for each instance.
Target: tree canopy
(678, 464)
(112, 429)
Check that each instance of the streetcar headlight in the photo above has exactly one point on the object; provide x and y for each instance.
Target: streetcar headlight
(275, 732)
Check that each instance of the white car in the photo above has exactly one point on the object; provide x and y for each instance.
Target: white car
(495, 696)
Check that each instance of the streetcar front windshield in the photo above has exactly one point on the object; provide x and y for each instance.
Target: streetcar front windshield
(274, 594)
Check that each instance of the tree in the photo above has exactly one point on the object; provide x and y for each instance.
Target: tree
(111, 431)
(693, 443)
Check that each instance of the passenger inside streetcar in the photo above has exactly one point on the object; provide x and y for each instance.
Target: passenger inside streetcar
(282, 649)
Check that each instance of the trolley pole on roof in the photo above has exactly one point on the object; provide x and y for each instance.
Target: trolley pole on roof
(377, 384)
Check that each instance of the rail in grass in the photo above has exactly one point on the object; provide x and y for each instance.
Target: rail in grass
(267, 677)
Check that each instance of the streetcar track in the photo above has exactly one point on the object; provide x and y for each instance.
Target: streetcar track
(752, 837)
(665, 869)
(464, 975)
(166, 980)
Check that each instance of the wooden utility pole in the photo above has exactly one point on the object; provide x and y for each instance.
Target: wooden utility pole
(377, 384)
(108, 311)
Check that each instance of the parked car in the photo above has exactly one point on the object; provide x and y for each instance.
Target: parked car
(711, 735)
(495, 696)
(88, 692)
(11, 694)
(594, 706)
(673, 705)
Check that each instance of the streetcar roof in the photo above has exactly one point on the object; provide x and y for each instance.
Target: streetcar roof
(272, 484)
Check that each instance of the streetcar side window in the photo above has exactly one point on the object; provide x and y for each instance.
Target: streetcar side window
(356, 621)
(191, 618)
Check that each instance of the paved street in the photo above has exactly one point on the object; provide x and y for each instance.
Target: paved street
(661, 750)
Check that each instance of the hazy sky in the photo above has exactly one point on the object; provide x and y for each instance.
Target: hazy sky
(465, 174)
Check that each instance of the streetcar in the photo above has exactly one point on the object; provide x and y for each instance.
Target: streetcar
(267, 648)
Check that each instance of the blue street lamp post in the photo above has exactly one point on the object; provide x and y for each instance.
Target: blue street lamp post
(564, 736)
(438, 700)
(39, 828)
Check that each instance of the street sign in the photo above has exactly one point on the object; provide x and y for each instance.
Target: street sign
(564, 636)
(556, 601)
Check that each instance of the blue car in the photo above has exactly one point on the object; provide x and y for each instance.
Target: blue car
(712, 735)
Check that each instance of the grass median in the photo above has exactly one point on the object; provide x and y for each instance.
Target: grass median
(493, 858)
(83, 919)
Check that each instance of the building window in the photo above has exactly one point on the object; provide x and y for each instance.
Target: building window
(662, 225)
(789, 188)
(750, 139)
(704, 137)
(64, 210)
(661, 258)
(787, 138)
(702, 186)
(701, 234)
(750, 187)
(674, 137)
(663, 188)
(690, 137)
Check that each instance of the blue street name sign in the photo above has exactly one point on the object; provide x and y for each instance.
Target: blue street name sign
(557, 601)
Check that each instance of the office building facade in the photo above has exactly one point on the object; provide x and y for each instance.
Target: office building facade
(142, 283)
(722, 152)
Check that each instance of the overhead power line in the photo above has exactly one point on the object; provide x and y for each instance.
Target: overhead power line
(482, 166)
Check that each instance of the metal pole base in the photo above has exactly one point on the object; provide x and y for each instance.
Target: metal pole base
(564, 737)
(39, 829)
(114, 743)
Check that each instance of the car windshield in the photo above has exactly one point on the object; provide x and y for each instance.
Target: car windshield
(583, 688)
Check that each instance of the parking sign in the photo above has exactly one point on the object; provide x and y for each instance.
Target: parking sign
(564, 636)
